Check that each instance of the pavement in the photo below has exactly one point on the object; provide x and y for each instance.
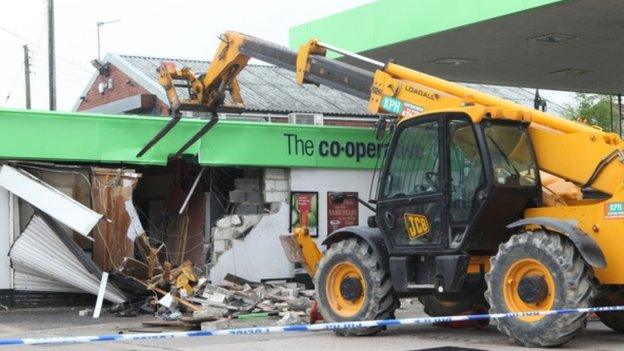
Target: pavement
(66, 322)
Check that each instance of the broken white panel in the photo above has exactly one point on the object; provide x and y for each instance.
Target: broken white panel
(100, 296)
(260, 254)
(38, 249)
(49, 200)
(135, 228)
(166, 300)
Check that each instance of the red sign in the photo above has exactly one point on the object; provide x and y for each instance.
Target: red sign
(343, 214)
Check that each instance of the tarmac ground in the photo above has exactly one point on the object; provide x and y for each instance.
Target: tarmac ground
(19, 323)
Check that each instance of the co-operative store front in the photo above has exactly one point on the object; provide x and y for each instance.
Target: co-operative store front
(222, 205)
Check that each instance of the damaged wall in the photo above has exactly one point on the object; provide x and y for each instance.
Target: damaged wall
(111, 188)
(260, 254)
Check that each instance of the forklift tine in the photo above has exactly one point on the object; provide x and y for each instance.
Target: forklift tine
(213, 120)
(175, 118)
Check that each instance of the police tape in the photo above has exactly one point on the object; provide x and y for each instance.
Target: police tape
(297, 328)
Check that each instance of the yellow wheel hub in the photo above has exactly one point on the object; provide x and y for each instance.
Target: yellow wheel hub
(346, 289)
(542, 295)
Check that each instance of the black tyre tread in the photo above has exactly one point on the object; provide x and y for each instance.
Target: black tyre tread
(613, 320)
(382, 295)
(578, 292)
(467, 303)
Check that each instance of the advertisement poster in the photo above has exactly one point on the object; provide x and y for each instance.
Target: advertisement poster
(304, 211)
(341, 215)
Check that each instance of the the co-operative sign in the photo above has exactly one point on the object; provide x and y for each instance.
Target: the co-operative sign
(290, 145)
(357, 150)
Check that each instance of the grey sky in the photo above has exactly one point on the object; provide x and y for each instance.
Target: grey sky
(182, 29)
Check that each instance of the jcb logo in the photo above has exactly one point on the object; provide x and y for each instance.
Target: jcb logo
(417, 225)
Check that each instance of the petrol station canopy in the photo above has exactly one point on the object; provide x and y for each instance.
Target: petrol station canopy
(574, 45)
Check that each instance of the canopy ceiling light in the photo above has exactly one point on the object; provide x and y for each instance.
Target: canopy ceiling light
(569, 72)
(554, 38)
(451, 61)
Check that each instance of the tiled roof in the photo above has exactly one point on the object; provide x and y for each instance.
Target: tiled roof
(269, 89)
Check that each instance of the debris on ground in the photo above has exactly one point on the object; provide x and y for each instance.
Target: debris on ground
(289, 318)
(85, 312)
(182, 299)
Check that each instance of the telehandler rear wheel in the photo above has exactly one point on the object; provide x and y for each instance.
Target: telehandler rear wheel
(537, 271)
(611, 297)
(351, 285)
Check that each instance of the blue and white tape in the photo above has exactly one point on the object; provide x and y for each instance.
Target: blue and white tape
(296, 328)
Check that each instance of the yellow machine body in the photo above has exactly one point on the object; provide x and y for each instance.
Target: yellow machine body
(573, 155)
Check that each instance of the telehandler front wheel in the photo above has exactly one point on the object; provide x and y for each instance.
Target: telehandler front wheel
(536, 271)
(351, 285)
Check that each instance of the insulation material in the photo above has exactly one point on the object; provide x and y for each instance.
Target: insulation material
(40, 252)
(49, 200)
(111, 189)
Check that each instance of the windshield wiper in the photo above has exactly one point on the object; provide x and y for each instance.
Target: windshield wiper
(504, 156)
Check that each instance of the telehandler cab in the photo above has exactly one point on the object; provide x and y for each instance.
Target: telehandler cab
(480, 201)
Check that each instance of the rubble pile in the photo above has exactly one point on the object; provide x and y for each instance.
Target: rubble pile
(189, 302)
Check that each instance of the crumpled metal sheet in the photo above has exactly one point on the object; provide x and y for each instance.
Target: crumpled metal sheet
(40, 251)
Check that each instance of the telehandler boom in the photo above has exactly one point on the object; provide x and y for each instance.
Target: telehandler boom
(481, 201)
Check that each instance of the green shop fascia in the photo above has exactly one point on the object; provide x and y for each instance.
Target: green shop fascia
(91, 138)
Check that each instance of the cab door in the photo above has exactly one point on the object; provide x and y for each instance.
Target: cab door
(412, 199)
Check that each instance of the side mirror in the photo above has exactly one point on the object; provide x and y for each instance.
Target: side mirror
(380, 128)
(338, 198)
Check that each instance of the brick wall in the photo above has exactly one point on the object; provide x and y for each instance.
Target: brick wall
(123, 87)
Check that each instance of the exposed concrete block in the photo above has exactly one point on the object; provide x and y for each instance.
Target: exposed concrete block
(221, 245)
(275, 185)
(248, 209)
(223, 233)
(209, 312)
(275, 196)
(237, 196)
(249, 221)
(254, 197)
(247, 184)
(229, 221)
(276, 173)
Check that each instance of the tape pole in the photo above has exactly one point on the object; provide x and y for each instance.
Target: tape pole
(296, 328)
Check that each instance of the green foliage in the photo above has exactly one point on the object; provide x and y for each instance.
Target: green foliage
(594, 110)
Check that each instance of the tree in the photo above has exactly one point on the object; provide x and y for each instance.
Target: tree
(594, 110)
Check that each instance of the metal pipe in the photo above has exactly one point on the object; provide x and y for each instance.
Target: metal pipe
(351, 54)
(188, 197)
(620, 109)
(51, 57)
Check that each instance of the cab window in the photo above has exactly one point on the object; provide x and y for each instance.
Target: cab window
(414, 168)
(512, 158)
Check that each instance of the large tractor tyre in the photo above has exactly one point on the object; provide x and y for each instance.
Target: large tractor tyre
(436, 306)
(611, 297)
(351, 285)
(537, 271)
